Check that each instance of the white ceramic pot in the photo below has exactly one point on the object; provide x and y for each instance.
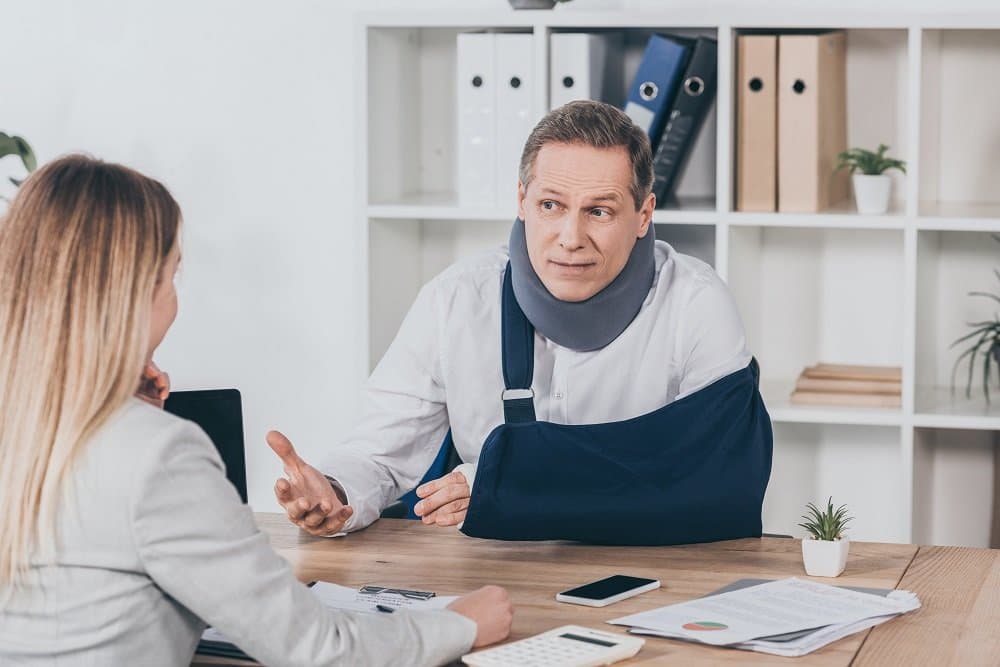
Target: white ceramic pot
(824, 558)
(532, 4)
(871, 193)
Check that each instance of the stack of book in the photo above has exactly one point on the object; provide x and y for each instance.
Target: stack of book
(834, 384)
(670, 96)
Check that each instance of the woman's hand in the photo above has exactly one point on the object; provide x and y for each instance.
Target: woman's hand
(154, 386)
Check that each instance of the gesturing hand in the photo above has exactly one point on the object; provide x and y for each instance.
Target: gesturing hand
(445, 500)
(306, 495)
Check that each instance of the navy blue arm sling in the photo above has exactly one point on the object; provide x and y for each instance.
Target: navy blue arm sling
(694, 470)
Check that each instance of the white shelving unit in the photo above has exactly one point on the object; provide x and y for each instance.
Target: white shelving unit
(835, 286)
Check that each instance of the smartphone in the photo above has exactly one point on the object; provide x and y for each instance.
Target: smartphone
(607, 591)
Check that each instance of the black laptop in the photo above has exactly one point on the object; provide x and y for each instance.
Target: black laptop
(219, 412)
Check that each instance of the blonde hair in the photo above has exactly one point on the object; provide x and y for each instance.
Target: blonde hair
(81, 252)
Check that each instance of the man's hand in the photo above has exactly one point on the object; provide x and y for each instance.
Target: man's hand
(492, 611)
(154, 385)
(444, 500)
(306, 495)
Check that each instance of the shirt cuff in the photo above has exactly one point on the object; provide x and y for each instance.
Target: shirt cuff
(468, 471)
(337, 486)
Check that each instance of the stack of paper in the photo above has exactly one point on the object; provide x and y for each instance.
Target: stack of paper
(367, 599)
(790, 617)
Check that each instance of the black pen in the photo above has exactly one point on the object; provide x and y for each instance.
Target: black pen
(387, 609)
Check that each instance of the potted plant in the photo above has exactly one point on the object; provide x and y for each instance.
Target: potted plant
(14, 145)
(824, 551)
(871, 184)
(986, 343)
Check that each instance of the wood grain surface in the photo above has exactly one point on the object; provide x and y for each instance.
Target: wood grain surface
(396, 552)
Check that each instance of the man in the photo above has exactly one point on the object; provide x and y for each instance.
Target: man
(623, 325)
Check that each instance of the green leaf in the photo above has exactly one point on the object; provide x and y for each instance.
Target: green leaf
(14, 145)
(978, 331)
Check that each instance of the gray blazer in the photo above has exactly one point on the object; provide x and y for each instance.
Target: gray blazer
(154, 542)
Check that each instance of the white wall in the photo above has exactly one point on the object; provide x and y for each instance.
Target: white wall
(243, 109)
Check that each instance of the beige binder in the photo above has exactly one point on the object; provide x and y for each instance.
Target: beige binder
(756, 123)
(812, 121)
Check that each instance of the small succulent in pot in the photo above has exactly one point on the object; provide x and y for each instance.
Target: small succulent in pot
(824, 552)
(826, 525)
(869, 163)
(872, 186)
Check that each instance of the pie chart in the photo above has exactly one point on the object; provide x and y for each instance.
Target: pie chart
(705, 626)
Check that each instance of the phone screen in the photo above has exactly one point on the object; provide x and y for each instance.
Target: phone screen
(605, 588)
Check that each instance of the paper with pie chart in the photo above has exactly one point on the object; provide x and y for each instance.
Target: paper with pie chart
(773, 608)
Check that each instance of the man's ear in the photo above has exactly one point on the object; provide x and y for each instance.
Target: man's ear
(646, 214)
(521, 195)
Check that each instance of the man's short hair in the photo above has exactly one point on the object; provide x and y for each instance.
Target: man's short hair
(593, 124)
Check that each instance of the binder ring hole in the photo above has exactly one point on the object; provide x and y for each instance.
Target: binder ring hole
(648, 91)
(568, 82)
(477, 81)
(799, 86)
(694, 86)
(756, 84)
(515, 82)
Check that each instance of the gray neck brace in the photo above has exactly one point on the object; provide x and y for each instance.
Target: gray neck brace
(588, 325)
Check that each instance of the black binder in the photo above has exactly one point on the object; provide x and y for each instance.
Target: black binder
(685, 119)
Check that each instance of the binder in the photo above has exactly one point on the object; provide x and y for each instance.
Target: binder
(515, 106)
(685, 119)
(812, 121)
(656, 82)
(476, 141)
(757, 123)
(586, 66)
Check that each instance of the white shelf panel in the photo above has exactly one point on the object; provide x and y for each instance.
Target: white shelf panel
(776, 395)
(959, 216)
(444, 206)
(939, 407)
(843, 216)
(778, 16)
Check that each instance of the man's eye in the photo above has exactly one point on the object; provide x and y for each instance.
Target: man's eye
(599, 213)
(548, 205)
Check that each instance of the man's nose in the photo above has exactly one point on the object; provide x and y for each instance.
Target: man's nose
(571, 234)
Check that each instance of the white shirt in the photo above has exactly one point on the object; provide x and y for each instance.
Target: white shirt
(444, 370)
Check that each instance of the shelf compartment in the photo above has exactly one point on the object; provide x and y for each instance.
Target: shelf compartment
(818, 295)
(877, 69)
(406, 254)
(950, 264)
(695, 240)
(960, 136)
(815, 461)
(954, 486)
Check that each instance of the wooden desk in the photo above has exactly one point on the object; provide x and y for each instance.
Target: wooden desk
(959, 588)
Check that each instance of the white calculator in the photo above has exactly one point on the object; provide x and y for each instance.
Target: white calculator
(568, 646)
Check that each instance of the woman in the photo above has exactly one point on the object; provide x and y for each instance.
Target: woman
(105, 557)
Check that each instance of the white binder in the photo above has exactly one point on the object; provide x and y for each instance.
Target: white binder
(515, 106)
(586, 66)
(477, 140)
